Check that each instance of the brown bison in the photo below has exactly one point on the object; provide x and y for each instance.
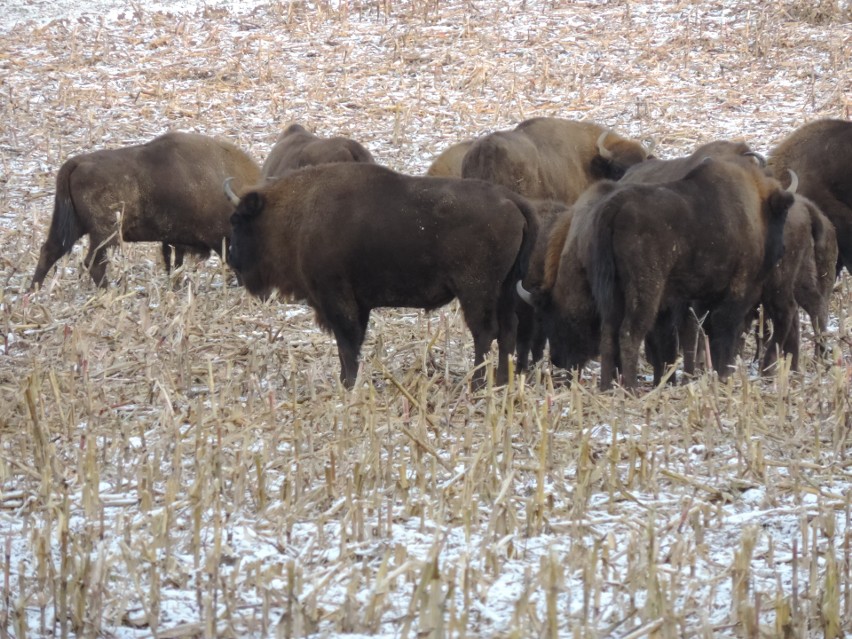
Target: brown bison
(798, 279)
(449, 161)
(167, 190)
(551, 158)
(351, 237)
(557, 285)
(821, 153)
(297, 147)
(711, 238)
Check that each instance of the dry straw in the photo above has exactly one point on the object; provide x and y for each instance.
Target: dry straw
(179, 460)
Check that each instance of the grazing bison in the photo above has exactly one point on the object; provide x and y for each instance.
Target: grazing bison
(449, 162)
(821, 155)
(711, 238)
(551, 158)
(532, 335)
(351, 237)
(559, 278)
(297, 147)
(167, 190)
(557, 285)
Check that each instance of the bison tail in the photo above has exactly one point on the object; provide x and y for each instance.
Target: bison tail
(818, 229)
(65, 227)
(778, 205)
(531, 231)
(602, 271)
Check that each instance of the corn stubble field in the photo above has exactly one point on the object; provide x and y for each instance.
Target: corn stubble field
(178, 459)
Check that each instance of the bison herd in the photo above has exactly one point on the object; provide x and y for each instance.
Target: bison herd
(555, 232)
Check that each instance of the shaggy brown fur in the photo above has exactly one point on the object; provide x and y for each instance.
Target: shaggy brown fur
(551, 158)
(711, 238)
(449, 162)
(297, 147)
(351, 237)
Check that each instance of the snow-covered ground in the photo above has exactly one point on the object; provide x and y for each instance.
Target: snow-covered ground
(180, 462)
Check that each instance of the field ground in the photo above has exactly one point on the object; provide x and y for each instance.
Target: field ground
(178, 460)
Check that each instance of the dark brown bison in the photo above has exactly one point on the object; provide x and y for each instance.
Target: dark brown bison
(820, 153)
(297, 147)
(449, 161)
(532, 335)
(551, 158)
(557, 285)
(351, 237)
(167, 190)
(711, 238)
(793, 282)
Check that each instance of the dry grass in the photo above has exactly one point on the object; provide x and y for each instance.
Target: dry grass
(178, 460)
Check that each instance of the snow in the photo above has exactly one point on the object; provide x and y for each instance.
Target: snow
(415, 105)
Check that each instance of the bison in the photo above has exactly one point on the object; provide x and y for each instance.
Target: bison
(166, 190)
(297, 147)
(798, 279)
(449, 161)
(821, 153)
(711, 238)
(351, 237)
(551, 158)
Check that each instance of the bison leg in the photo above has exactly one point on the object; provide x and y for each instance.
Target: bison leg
(51, 251)
(539, 339)
(180, 251)
(813, 303)
(727, 322)
(507, 330)
(167, 256)
(688, 331)
(349, 325)
(96, 258)
(526, 334)
(483, 325)
(785, 332)
(661, 345)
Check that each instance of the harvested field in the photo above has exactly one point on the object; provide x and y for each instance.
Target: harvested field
(178, 459)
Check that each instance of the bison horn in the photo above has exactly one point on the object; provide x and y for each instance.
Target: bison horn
(605, 153)
(523, 293)
(794, 181)
(229, 192)
(757, 156)
(650, 146)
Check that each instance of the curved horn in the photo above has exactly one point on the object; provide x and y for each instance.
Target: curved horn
(605, 153)
(757, 156)
(229, 192)
(794, 181)
(523, 293)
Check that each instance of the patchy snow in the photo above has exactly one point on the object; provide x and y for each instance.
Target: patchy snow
(236, 493)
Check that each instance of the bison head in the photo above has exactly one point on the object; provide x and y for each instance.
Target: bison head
(245, 250)
(614, 158)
